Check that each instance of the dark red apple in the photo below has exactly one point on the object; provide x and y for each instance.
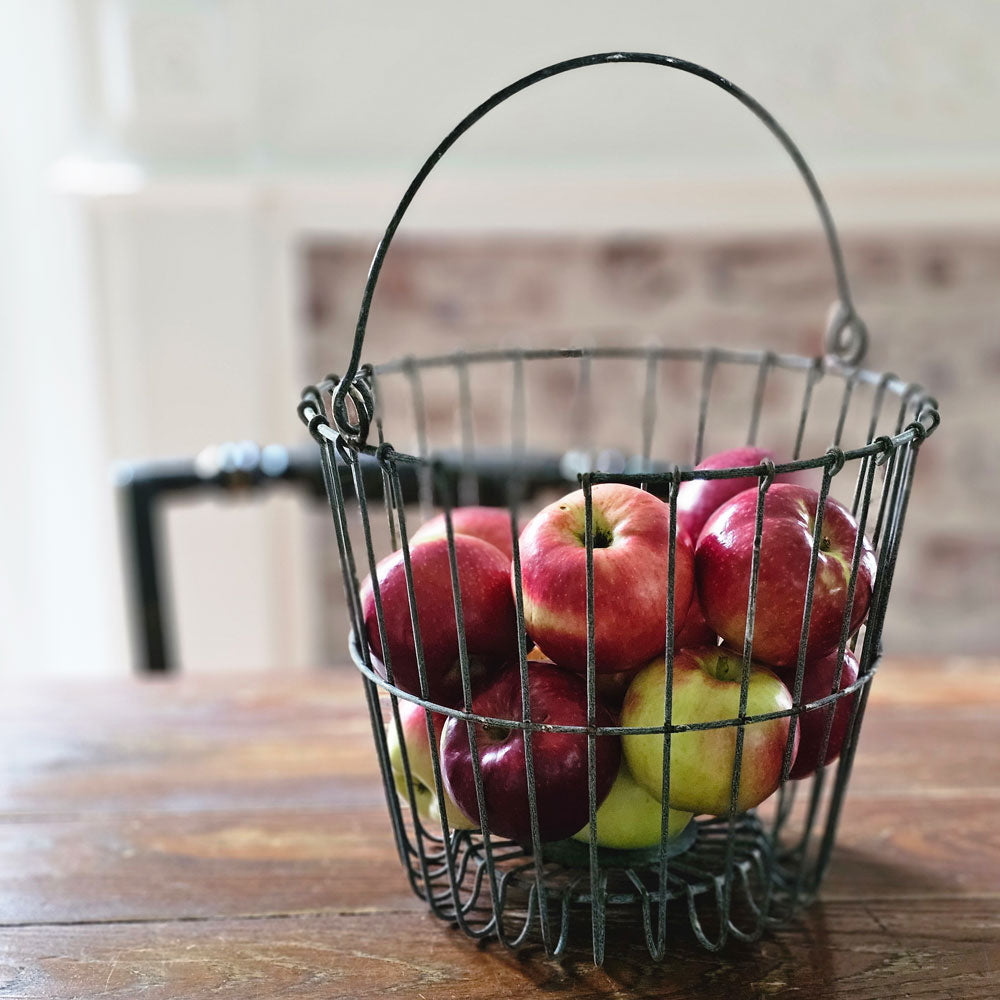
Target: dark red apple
(817, 683)
(491, 524)
(557, 697)
(723, 560)
(487, 612)
(631, 574)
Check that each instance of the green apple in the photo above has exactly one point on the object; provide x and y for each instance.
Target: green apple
(629, 818)
(706, 688)
(413, 722)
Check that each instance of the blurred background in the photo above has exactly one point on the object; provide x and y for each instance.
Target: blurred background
(191, 191)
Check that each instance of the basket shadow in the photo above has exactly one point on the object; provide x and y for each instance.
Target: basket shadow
(835, 937)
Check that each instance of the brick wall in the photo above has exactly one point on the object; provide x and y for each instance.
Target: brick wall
(931, 302)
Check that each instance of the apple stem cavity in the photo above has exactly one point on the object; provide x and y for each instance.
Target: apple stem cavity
(497, 734)
(728, 668)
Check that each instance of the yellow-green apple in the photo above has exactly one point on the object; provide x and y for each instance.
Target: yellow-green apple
(722, 567)
(698, 499)
(487, 613)
(817, 683)
(630, 819)
(706, 688)
(491, 524)
(559, 698)
(631, 534)
(420, 757)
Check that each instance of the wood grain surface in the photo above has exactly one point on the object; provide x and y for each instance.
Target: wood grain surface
(220, 837)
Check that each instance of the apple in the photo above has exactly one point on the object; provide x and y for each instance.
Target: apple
(698, 499)
(695, 631)
(491, 524)
(487, 611)
(630, 818)
(420, 754)
(706, 688)
(722, 568)
(556, 697)
(817, 683)
(631, 574)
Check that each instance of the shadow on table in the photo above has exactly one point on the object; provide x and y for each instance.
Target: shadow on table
(832, 944)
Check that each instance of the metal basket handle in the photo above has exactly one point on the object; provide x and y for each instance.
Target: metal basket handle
(846, 336)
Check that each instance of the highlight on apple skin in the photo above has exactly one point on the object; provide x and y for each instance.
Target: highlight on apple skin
(556, 697)
(706, 688)
(631, 574)
(723, 560)
(487, 610)
(419, 755)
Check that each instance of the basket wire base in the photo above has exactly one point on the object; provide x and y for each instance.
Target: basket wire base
(757, 889)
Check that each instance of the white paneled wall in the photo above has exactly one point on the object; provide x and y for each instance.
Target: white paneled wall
(201, 141)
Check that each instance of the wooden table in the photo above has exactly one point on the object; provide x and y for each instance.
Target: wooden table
(227, 837)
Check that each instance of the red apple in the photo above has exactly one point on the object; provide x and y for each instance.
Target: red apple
(817, 683)
(706, 688)
(698, 499)
(695, 631)
(491, 524)
(631, 573)
(557, 697)
(487, 612)
(420, 758)
(723, 560)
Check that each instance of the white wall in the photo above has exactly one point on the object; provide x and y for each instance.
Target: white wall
(203, 138)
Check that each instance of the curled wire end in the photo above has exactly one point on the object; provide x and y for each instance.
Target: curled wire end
(384, 453)
(363, 398)
(846, 335)
(920, 429)
(834, 461)
(767, 476)
(886, 448)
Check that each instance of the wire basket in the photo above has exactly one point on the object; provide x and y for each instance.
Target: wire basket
(729, 873)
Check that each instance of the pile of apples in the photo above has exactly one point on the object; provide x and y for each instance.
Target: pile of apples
(711, 568)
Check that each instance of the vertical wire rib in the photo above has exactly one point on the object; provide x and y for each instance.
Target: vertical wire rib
(802, 848)
(583, 425)
(388, 495)
(424, 473)
(468, 484)
(445, 491)
(764, 484)
(597, 901)
(814, 374)
(766, 364)
(515, 486)
(420, 832)
(876, 414)
(899, 476)
(845, 404)
(708, 370)
(649, 407)
(391, 472)
(833, 813)
(331, 479)
(658, 948)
